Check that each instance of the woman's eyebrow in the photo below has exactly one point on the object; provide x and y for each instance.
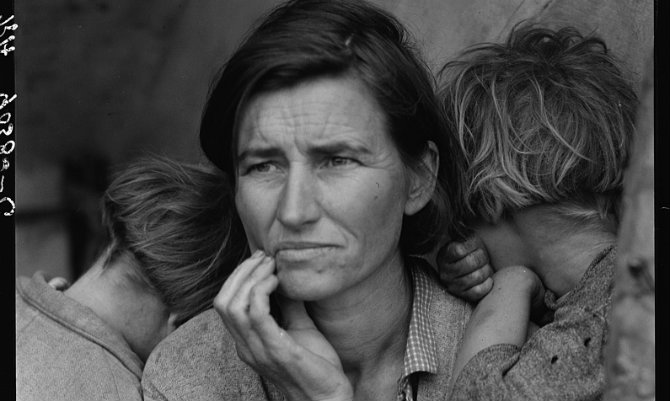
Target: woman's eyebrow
(324, 149)
(333, 148)
(259, 152)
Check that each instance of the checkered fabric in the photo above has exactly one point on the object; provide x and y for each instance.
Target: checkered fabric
(421, 350)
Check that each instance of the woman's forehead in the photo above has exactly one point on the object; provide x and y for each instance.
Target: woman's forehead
(321, 112)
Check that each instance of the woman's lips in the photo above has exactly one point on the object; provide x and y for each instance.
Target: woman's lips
(301, 252)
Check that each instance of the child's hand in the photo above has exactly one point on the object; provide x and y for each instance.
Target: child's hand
(465, 270)
(58, 283)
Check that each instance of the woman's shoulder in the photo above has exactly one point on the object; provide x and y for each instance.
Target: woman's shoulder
(198, 361)
(441, 300)
(204, 337)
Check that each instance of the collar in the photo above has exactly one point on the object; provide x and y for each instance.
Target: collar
(420, 351)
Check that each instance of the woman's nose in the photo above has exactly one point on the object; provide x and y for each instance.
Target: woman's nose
(298, 205)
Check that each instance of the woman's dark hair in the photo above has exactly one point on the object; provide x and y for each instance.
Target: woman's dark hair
(303, 40)
(176, 225)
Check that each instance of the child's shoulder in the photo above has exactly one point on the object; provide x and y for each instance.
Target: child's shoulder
(594, 290)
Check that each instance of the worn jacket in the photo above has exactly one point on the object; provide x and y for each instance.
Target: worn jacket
(64, 352)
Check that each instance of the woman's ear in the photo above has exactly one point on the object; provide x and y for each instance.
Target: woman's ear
(423, 180)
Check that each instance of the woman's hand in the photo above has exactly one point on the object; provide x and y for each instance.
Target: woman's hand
(298, 359)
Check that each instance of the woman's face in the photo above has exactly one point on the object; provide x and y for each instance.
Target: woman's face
(321, 186)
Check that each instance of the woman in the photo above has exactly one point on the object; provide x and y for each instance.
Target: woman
(328, 121)
(171, 245)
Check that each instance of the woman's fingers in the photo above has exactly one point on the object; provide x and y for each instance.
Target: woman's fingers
(259, 307)
(259, 296)
(260, 340)
(233, 301)
(299, 359)
(251, 321)
(237, 278)
(239, 275)
(239, 303)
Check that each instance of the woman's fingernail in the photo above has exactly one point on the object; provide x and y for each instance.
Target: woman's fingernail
(258, 253)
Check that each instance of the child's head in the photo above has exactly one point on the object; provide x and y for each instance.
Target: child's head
(173, 224)
(545, 118)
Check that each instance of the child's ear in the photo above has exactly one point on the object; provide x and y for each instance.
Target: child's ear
(171, 322)
(423, 180)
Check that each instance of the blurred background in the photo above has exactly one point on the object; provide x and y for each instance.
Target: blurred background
(101, 82)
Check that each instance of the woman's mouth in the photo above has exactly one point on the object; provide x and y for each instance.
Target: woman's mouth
(301, 251)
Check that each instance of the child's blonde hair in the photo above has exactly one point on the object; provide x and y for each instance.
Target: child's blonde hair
(545, 118)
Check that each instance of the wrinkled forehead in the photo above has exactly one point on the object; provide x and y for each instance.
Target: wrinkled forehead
(319, 111)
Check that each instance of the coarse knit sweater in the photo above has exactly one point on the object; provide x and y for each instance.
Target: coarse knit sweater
(563, 360)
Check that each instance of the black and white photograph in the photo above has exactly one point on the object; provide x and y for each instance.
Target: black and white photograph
(331, 200)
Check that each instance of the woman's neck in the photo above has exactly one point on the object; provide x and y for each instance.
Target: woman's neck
(136, 314)
(368, 325)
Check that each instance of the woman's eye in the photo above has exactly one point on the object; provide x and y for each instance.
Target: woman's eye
(338, 161)
(264, 167)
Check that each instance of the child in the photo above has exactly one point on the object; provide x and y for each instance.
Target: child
(546, 122)
(171, 246)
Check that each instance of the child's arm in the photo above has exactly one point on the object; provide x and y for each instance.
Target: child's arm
(503, 315)
(563, 360)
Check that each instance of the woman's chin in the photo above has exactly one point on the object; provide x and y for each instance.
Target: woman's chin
(302, 290)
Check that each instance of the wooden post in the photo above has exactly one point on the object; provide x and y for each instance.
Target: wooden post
(629, 355)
